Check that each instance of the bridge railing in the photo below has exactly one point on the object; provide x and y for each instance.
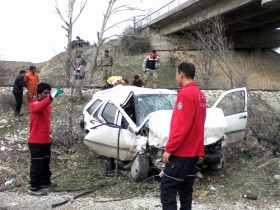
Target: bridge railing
(161, 11)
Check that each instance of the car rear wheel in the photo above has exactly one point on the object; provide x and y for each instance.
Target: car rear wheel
(140, 167)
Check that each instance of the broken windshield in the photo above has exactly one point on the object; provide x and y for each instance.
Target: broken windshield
(145, 104)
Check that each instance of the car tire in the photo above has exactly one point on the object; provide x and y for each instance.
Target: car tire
(140, 167)
(220, 165)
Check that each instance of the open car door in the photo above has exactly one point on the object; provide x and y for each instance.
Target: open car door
(234, 105)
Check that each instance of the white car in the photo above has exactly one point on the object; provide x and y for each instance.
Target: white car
(131, 124)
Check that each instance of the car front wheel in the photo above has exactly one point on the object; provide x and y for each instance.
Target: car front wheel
(220, 165)
(140, 167)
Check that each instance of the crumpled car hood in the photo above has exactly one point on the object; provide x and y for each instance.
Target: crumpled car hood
(159, 126)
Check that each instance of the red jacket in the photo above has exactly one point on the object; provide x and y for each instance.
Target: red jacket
(40, 121)
(186, 138)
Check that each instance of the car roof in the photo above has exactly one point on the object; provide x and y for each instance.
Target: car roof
(120, 93)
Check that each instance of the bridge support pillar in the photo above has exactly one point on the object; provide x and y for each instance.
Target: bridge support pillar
(171, 42)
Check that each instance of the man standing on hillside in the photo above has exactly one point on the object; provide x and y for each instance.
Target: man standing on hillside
(18, 91)
(31, 79)
(106, 63)
(80, 64)
(185, 143)
(150, 67)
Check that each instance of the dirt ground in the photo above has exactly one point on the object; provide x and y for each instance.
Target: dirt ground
(250, 169)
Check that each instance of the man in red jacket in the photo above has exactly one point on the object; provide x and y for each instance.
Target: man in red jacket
(185, 143)
(39, 142)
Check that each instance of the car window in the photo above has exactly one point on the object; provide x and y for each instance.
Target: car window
(145, 104)
(96, 112)
(93, 107)
(109, 113)
(233, 103)
(122, 121)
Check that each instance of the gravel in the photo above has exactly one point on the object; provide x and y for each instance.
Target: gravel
(15, 201)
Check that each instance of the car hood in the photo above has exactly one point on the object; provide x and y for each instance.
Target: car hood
(159, 126)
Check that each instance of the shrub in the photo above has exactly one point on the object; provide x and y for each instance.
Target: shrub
(7, 101)
(133, 45)
(264, 122)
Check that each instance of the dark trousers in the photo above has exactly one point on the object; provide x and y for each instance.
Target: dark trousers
(107, 86)
(179, 176)
(18, 97)
(40, 173)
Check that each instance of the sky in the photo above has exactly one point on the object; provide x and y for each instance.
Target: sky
(31, 29)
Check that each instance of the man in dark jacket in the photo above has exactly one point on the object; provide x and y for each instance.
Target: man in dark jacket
(151, 68)
(185, 143)
(137, 81)
(18, 91)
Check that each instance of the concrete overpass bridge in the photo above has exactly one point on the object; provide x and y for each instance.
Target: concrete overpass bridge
(249, 23)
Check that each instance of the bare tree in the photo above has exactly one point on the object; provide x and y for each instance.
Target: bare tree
(209, 37)
(111, 10)
(69, 22)
(216, 53)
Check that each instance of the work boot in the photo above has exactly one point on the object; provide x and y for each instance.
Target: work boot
(50, 185)
(36, 191)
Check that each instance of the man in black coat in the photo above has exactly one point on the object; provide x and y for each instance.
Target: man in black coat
(137, 81)
(18, 91)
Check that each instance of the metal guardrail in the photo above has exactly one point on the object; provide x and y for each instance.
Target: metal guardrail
(161, 11)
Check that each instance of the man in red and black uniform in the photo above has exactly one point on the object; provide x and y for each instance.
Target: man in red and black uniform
(185, 143)
(39, 141)
(150, 67)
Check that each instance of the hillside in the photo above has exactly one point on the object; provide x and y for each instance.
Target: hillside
(264, 72)
(10, 69)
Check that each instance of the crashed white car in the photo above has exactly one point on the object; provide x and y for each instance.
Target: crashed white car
(131, 124)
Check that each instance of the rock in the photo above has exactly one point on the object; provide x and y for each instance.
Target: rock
(3, 121)
(7, 169)
(213, 189)
(24, 149)
(276, 177)
(200, 193)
